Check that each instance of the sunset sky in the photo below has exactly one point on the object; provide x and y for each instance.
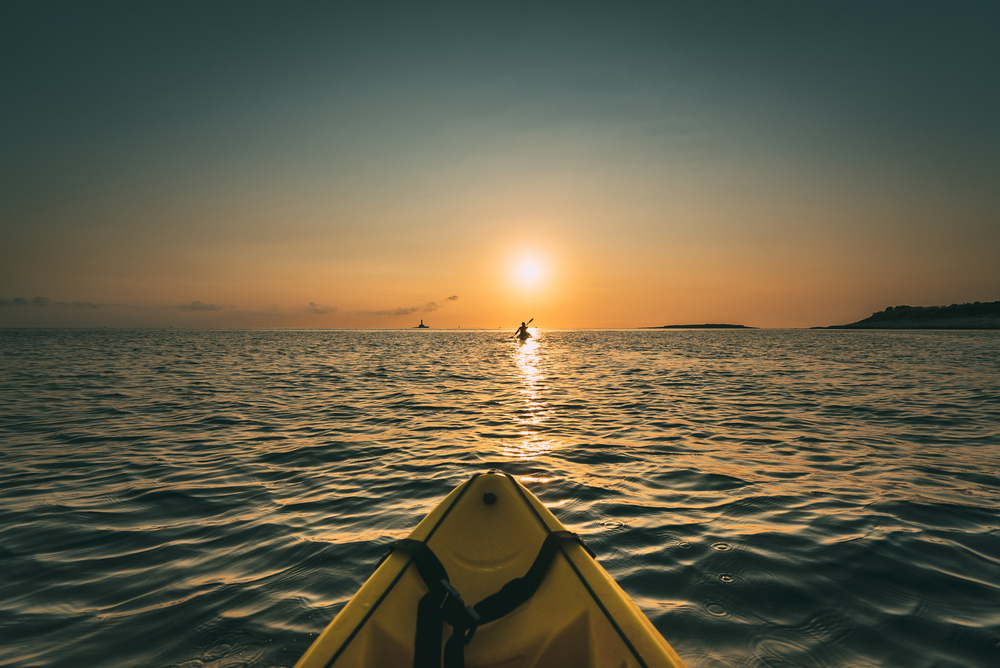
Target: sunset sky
(244, 164)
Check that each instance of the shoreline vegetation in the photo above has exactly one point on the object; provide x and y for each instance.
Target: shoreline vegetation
(978, 315)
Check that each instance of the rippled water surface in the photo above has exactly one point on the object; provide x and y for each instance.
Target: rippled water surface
(769, 498)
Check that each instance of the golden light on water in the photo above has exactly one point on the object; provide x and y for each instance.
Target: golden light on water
(538, 479)
(527, 359)
(534, 411)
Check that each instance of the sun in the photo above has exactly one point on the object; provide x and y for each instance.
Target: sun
(530, 272)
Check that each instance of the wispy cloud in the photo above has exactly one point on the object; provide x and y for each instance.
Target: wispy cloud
(46, 302)
(430, 307)
(22, 301)
(85, 304)
(200, 306)
(427, 307)
(320, 308)
(393, 311)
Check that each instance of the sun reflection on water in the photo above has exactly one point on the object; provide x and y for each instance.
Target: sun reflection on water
(530, 417)
(532, 478)
(527, 359)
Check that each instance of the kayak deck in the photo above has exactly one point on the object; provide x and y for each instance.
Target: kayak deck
(486, 533)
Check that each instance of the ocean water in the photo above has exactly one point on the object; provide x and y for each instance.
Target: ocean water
(768, 497)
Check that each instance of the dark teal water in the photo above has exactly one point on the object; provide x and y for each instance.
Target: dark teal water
(769, 498)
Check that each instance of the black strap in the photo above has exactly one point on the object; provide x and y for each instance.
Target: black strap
(519, 590)
(442, 603)
(430, 567)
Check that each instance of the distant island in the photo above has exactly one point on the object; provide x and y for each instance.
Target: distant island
(706, 326)
(978, 315)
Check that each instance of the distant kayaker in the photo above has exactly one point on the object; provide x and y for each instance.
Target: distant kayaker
(522, 332)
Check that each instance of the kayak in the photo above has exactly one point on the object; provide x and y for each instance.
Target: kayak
(541, 600)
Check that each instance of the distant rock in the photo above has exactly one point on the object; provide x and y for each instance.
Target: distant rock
(978, 315)
(706, 326)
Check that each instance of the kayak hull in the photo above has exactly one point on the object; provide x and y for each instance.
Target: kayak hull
(486, 533)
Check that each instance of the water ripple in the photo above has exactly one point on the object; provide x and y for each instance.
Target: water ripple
(769, 498)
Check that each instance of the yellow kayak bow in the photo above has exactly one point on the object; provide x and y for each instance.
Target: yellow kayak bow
(558, 608)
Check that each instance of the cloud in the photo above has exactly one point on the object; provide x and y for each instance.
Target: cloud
(320, 308)
(85, 304)
(92, 305)
(200, 306)
(21, 301)
(395, 311)
(428, 307)
(45, 301)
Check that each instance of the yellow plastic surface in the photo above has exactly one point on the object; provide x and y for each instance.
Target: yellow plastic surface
(484, 546)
